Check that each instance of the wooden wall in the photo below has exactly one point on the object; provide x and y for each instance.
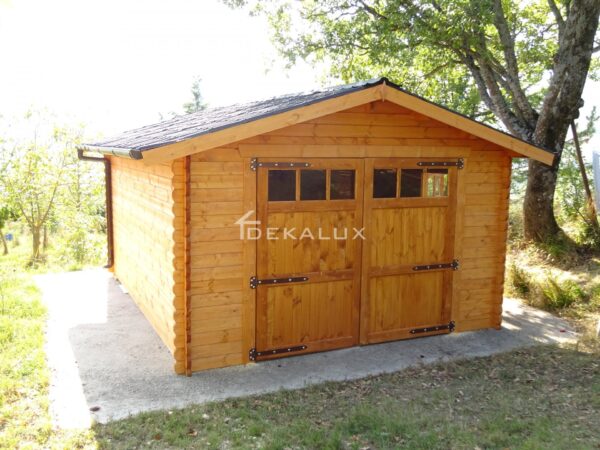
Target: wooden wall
(216, 254)
(148, 218)
(221, 322)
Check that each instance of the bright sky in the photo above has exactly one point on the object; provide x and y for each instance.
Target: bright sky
(118, 64)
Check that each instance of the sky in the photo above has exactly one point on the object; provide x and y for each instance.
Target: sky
(118, 64)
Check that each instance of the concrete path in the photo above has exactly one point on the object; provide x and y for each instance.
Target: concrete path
(103, 353)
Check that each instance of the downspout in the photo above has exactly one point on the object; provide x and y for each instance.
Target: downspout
(109, 211)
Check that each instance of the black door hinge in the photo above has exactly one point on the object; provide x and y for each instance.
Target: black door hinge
(450, 327)
(460, 163)
(255, 282)
(253, 353)
(255, 164)
(454, 265)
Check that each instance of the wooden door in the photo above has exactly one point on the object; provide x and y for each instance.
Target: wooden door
(308, 255)
(409, 210)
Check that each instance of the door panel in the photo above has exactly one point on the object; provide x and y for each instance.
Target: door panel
(317, 314)
(409, 223)
(303, 255)
(404, 302)
(407, 235)
(307, 231)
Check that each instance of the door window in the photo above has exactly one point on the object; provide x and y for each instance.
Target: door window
(282, 185)
(384, 183)
(325, 184)
(437, 183)
(341, 186)
(312, 184)
(411, 181)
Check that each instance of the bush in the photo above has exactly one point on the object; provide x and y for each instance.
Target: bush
(556, 295)
(588, 235)
(519, 281)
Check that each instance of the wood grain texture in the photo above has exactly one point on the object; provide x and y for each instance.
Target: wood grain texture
(222, 188)
(218, 298)
(149, 245)
(320, 119)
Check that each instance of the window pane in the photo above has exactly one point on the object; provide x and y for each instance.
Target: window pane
(342, 185)
(437, 183)
(410, 182)
(312, 185)
(282, 185)
(384, 183)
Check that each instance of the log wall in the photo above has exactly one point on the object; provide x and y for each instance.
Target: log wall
(221, 320)
(148, 220)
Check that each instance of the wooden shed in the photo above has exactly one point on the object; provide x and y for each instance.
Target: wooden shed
(348, 216)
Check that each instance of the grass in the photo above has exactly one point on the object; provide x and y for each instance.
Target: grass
(24, 418)
(544, 397)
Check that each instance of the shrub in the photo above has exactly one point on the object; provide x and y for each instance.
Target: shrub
(556, 295)
(519, 281)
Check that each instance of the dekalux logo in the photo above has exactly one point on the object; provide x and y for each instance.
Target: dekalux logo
(251, 230)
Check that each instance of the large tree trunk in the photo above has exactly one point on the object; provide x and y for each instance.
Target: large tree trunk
(538, 212)
(560, 107)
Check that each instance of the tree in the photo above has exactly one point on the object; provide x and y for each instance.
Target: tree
(574, 195)
(33, 166)
(6, 214)
(526, 62)
(197, 104)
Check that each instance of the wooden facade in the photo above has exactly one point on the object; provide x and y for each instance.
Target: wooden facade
(179, 252)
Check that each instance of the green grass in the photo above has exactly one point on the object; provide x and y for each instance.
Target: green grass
(545, 397)
(24, 418)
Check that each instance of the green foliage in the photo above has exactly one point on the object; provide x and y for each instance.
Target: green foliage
(515, 222)
(197, 103)
(55, 194)
(420, 44)
(570, 201)
(519, 281)
(557, 247)
(559, 295)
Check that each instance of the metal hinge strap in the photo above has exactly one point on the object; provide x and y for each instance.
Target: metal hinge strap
(460, 163)
(450, 327)
(454, 265)
(255, 164)
(253, 353)
(255, 282)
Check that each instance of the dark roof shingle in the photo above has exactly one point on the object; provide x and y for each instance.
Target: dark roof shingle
(188, 126)
(134, 142)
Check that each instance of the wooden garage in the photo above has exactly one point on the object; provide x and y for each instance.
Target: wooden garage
(348, 216)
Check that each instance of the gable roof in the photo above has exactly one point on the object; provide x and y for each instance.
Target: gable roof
(218, 126)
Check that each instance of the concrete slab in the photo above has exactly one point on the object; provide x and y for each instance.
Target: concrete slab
(103, 353)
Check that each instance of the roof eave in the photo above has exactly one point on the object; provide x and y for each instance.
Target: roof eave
(113, 151)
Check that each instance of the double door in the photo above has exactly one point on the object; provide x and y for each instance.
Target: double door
(351, 251)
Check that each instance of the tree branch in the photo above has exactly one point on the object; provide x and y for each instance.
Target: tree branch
(559, 18)
(512, 67)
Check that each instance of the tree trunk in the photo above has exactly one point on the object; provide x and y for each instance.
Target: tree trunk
(560, 107)
(590, 207)
(35, 241)
(4, 245)
(45, 239)
(538, 212)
